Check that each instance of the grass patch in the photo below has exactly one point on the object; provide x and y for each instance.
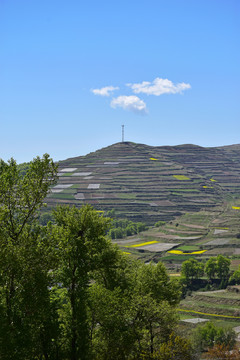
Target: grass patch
(69, 191)
(188, 248)
(66, 174)
(126, 196)
(62, 196)
(184, 190)
(223, 295)
(177, 258)
(195, 304)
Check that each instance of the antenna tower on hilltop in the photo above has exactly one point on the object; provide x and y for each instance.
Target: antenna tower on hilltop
(122, 133)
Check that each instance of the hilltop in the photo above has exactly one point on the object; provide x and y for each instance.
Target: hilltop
(150, 183)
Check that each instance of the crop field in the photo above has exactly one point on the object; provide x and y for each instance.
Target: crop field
(221, 307)
(223, 304)
(194, 190)
(168, 181)
(192, 235)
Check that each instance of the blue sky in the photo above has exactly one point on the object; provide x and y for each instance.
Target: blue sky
(58, 57)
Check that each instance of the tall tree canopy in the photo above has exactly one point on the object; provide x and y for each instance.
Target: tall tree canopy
(25, 309)
(66, 292)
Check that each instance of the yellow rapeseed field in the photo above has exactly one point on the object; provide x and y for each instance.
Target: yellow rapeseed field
(181, 177)
(180, 252)
(202, 313)
(143, 244)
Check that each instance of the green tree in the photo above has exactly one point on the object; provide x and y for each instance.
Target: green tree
(175, 348)
(44, 218)
(112, 233)
(160, 223)
(223, 267)
(218, 267)
(208, 335)
(66, 292)
(141, 227)
(135, 313)
(22, 196)
(124, 325)
(211, 268)
(118, 233)
(154, 279)
(26, 313)
(235, 278)
(192, 269)
(84, 250)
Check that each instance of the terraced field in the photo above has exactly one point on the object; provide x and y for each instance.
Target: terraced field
(221, 307)
(198, 235)
(145, 183)
(195, 190)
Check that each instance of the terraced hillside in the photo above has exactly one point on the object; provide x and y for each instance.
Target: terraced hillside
(146, 183)
(198, 235)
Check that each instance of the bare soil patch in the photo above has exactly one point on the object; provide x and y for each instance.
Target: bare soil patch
(81, 174)
(153, 204)
(194, 226)
(54, 191)
(218, 231)
(221, 251)
(79, 196)
(176, 237)
(195, 320)
(184, 232)
(93, 186)
(218, 242)
(68, 169)
(160, 247)
(111, 162)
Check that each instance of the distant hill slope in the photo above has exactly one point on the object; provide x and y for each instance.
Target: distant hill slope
(149, 183)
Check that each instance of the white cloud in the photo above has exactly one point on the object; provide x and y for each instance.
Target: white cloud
(131, 103)
(105, 91)
(158, 87)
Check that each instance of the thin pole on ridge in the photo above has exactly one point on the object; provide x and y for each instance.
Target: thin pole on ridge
(122, 133)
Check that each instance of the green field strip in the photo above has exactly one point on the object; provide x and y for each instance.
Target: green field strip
(69, 191)
(228, 295)
(207, 314)
(200, 304)
(178, 258)
(62, 196)
(188, 248)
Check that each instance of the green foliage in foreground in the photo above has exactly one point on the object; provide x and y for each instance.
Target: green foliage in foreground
(208, 335)
(65, 291)
(175, 348)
